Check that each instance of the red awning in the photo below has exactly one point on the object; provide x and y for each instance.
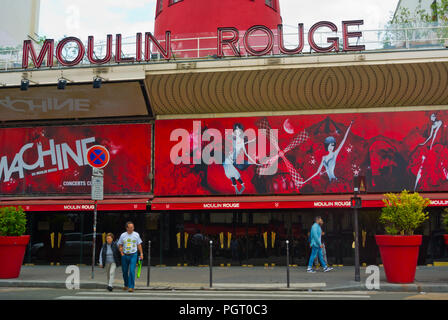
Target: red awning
(78, 205)
(278, 202)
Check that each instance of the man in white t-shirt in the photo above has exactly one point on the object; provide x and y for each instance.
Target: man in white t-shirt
(128, 244)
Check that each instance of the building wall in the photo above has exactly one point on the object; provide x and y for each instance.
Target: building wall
(25, 11)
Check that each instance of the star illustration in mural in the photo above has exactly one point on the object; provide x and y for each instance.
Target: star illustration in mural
(356, 169)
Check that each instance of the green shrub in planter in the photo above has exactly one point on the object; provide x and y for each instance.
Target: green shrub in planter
(12, 221)
(403, 213)
(445, 219)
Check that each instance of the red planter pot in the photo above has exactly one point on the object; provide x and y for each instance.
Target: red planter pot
(12, 250)
(445, 236)
(399, 255)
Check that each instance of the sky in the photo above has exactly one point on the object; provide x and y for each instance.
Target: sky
(81, 18)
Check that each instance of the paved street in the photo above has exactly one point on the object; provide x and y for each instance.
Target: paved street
(99, 294)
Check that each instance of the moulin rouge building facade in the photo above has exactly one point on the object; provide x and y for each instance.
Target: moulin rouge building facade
(215, 124)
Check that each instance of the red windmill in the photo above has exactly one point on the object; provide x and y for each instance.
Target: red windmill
(193, 19)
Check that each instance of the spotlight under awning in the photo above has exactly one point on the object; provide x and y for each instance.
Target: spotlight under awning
(24, 84)
(62, 83)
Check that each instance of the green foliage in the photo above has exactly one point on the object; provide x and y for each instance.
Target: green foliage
(417, 26)
(41, 40)
(12, 221)
(445, 219)
(6, 49)
(403, 213)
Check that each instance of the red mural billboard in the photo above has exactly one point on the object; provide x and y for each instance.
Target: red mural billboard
(52, 160)
(302, 154)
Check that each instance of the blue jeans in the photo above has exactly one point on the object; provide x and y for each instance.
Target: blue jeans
(128, 264)
(316, 251)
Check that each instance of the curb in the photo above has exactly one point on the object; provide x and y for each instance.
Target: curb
(384, 287)
(390, 287)
(415, 287)
(47, 284)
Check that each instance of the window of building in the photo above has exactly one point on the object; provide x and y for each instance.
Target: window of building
(171, 2)
(159, 7)
(271, 3)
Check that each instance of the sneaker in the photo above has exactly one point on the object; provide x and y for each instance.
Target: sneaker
(310, 270)
(328, 269)
(109, 288)
(125, 288)
(131, 290)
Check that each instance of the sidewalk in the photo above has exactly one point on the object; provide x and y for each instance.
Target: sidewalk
(427, 279)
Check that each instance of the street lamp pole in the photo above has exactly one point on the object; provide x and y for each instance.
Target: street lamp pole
(357, 267)
(355, 206)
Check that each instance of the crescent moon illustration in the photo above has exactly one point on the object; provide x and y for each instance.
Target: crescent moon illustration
(288, 127)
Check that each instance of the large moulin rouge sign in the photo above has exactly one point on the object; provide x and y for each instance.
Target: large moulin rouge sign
(227, 38)
(53, 160)
(302, 154)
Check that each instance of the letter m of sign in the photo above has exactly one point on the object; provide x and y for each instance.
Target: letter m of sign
(47, 48)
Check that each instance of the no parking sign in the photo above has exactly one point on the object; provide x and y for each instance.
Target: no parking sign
(98, 156)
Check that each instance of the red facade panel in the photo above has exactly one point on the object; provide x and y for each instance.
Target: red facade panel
(52, 160)
(303, 154)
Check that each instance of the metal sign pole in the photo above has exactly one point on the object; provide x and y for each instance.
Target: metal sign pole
(357, 267)
(287, 263)
(356, 203)
(94, 238)
(97, 157)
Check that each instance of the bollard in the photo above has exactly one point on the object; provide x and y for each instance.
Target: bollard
(149, 262)
(211, 263)
(287, 263)
(94, 238)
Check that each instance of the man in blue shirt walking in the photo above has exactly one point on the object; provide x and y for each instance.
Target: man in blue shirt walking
(316, 245)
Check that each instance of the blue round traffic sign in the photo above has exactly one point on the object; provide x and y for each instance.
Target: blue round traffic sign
(98, 156)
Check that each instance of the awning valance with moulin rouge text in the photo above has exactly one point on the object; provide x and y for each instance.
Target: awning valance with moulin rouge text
(78, 205)
(279, 202)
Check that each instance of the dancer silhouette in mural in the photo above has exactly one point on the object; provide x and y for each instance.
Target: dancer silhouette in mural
(230, 164)
(432, 156)
(436, 125)
(329, 160)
